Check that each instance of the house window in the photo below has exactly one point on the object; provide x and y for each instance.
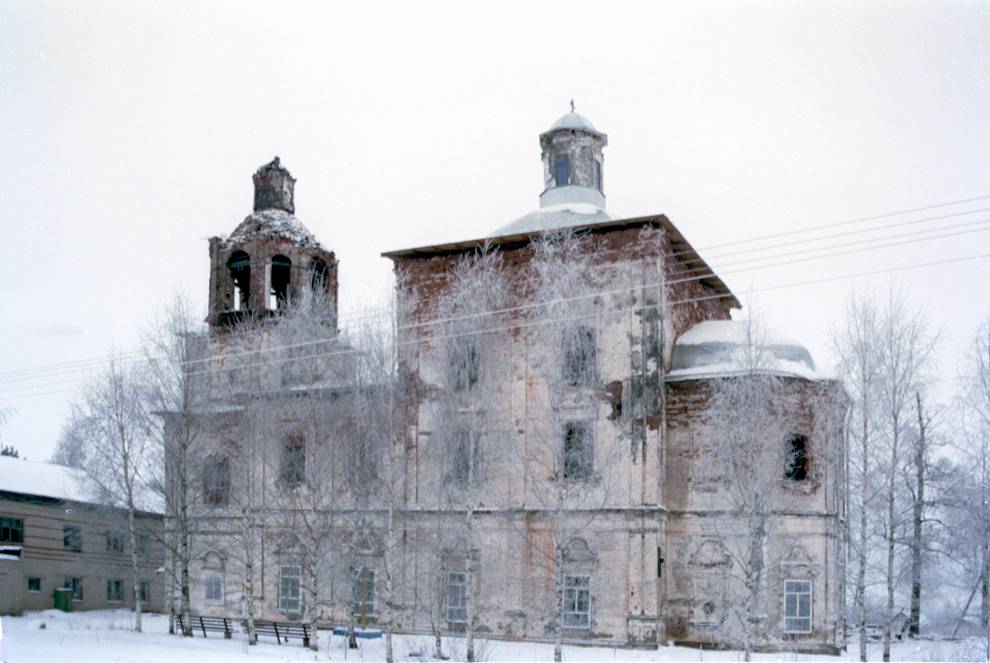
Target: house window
(144, 591)
(34, 584)
(11, 530)
(115, 541)
(796, 460)
(115, 591)
(364, 595)
(579, 356)
(462, 459)
(578, 451)
(216, 481)
(72, 538)
(577, 601)
(797, 606)
(561, 170)
(141, 545)
(214, 588)
(456, 598)
(75, 584)
(463, 364)
(288, 588)
(292, 470)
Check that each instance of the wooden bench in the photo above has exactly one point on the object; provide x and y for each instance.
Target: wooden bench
(206, 623)
(283, 630)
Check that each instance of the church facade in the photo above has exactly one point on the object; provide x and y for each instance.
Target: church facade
(541, 489)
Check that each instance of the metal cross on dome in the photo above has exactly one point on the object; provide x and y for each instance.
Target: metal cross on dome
(572, 105)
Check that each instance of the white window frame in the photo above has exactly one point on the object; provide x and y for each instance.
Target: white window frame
(576, 584)
(289, 601)
(789, 591)
(369, 611)
(217, 580)
(456, 603)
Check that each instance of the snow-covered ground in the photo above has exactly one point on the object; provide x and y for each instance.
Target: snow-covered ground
(104, 636)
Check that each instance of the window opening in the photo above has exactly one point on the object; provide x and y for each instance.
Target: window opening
(278, 294)
(34, 584)
(462, 458)
(11, 530)
(288, 594)
(214, 588)
(239, 265)
(598, 175)
(144, 591)
(579, 356)
(578, 451)
(577, 601)
(216, 481)
(72, 538)
(75, 584)
(115, 591)
(561, 170)
(796, 468)
(364, 595)
(797, 606)
(457, 598)
(292, 470)
(463, 363)
(115, 541)
(318, 274)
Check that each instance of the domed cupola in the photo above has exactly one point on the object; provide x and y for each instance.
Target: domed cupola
(271, 258)
(573, 178)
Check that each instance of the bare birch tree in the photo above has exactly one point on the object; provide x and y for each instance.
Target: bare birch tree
(110, 419)
(905, 351)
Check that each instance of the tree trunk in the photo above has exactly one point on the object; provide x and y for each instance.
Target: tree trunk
(135, 574)
(891, 515)
(914, 628)
(558, 594)
(183, 526)
(469, 607)
(861, 571)
(249, 606)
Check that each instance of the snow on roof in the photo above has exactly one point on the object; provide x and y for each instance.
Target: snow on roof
(273, 222)
(717, 347)
(573, 121)
(553, 217)
(42, 479)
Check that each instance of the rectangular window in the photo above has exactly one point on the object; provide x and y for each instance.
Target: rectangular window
(463, 363)
(72, 538)
(292, 470)
(462, 459)
(216, 481)
(11, 530)
(579, 356)
(214, 588)
(75, 584)
(456, 598)
(577, 602)
(579, 453)
(796, 467)
(598, 176)
(34, 584)
(797, 606)
(115, 591)
(141, 543)
(288, 588)
(115, 541)
(364, 595)
(144, 591)
(561, 170)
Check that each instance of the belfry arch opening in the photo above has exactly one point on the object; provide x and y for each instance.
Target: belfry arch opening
(278, 292)
(318, 275)
(239, 265)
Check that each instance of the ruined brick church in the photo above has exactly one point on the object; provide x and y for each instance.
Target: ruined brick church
(646, 564)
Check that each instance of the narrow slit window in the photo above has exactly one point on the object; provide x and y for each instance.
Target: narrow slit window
(562, 170)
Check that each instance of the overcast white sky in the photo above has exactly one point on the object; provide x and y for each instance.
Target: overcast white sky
(130, 132)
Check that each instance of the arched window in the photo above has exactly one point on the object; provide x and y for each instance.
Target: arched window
(278, 293)
(239, 265)
(318, 274)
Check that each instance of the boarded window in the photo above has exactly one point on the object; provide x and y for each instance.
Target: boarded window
(797, 606)
(364, 595)
(576, 611)
(292, 470)
(115, 591)
(72, 538)
(562, 170)
(579, 355)
(11, 530)
(457, 598)
(796, 458)
(216, 481)
(579, 454)
(288, 588)
(463, 363)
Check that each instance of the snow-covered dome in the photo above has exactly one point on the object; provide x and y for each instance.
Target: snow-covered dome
(553, 217)
(573, 120)
(720, 347)
(272, 223)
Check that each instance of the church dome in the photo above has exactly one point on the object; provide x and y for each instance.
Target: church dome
(574, 121)
(554, 217)
(719, 347)
(273, 223)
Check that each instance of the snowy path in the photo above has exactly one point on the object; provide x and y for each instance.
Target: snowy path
(103, 637)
